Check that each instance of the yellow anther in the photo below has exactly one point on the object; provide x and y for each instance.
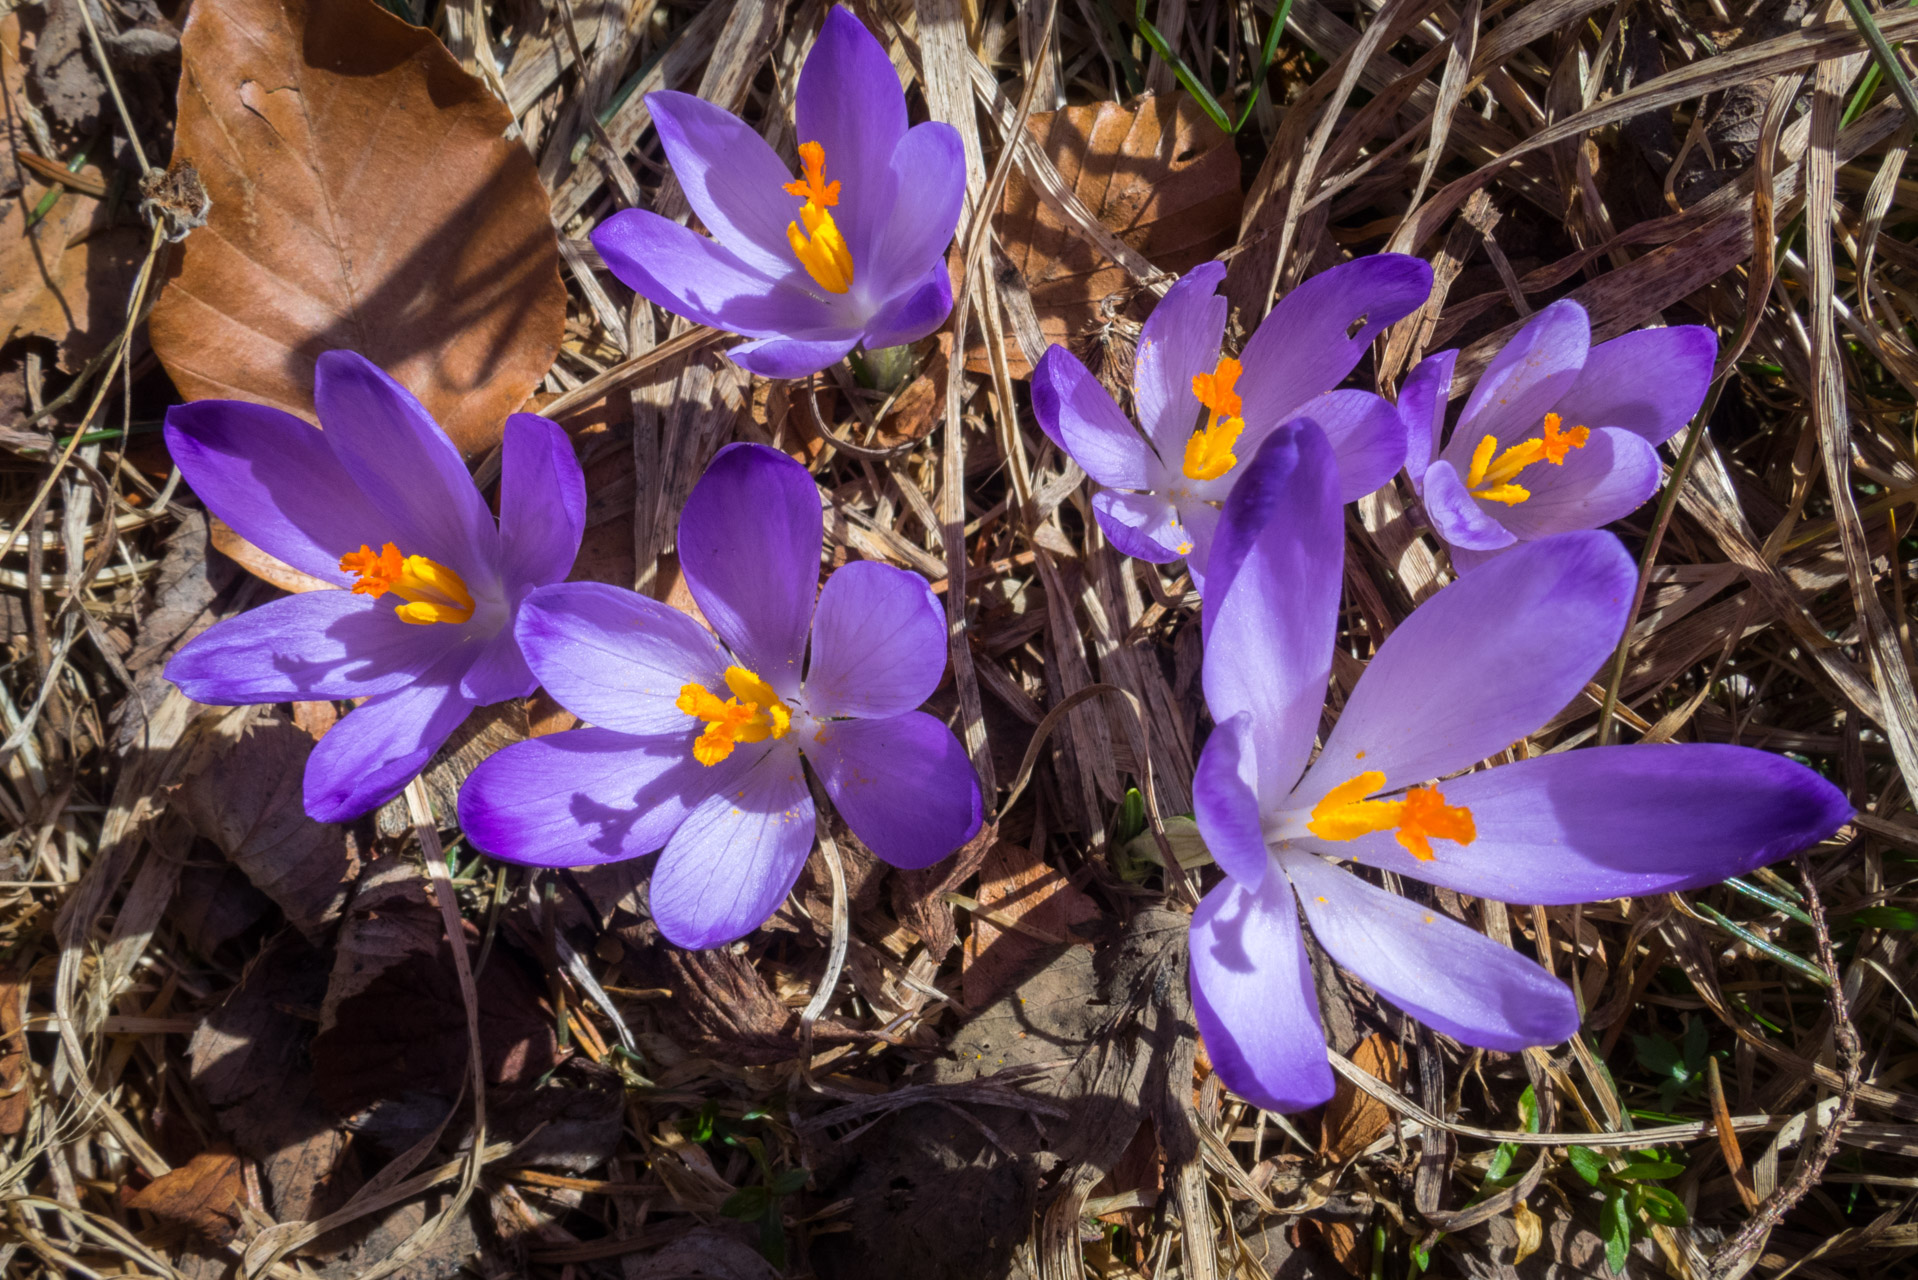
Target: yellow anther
(1208, 454)
(433, 592)
(1491, 477)
(820, 248)
(1419, 817)
(753, 714)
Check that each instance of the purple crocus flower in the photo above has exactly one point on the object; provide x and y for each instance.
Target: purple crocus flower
(696, 742)
(852, 252)
(379, 505)
(1557, 435)
(1480, 665)
(1203, 413)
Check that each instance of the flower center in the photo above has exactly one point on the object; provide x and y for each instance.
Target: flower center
(1208, 454)
(753, 714)
(1491, 478)
(433, 592)
(1420, 817)
(820, 248)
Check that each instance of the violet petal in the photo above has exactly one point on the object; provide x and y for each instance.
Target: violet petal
(617, 659)
(1649, 382)
(878, 643)
(1303, 346)
(903, 784)
(1080, 417)
(316, 645)
(1180, 341)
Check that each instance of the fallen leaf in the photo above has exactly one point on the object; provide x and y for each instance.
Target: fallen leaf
(1162, 177)
(1354, 1119)
(266, 568)
(202, 1196)
(1018, 888)
(85, 301)
(14, 1098)
(364, 196)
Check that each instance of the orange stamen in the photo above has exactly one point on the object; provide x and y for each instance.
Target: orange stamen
(432, 592)
(1419, 817)
(820, 247)
(1491, 478)
(1208, 454)
(753, 714)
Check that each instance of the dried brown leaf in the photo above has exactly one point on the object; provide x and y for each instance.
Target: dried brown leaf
(202, 1196)
(1017, 888)
(365, 196)
(14, 1098)
(1354, 1120)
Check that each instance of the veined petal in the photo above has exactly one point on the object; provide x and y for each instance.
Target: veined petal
(587, 796)
(1648, 382)
(1447, 976)
(617, 659)
(737, 854)
(1531, 373)
(1303, 346)
(1614, 822)
(274, 479)
(790, 357)
(1271, 602)
(1421, 407)
(1081, 418)
(1180, 340)
(1367, 439)
(1457, 516)
(377, 748)
(1142, 525)
(1609, 478)
(878, 643)
(913, 313)
(849, 101)
(1482, 663)
(749, 540)
(734, 182)
(542, 503)
(497, 671)
(1253, 997)
(319, 644)
(703, 280)
(405, 465)
(1225, 800)
(903, 784)
(925, 171)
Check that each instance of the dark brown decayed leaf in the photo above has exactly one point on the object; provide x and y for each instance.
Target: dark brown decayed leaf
(364, 196)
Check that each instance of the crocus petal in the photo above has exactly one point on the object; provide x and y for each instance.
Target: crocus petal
(749, 540)
(404, 464)
(1081, 418)
(1253, 997)
(736, 855)
(377, 748)
(616, 659)
(1180, 341)
(498, 671)
(1421, 407)
(1142, 525)
(732, 179)
(1225, 800)
(849, 101)
(1610, 477)
(316, 645)
(1649, 382)
(878, 643)
(1271, 601)
(1201, 521)
(1447, 976)
(1482, 663)
(1456, 514)
(902, 784)
(928, 180)
(1303, 347)
(702, 280)
(1614, 822)
(913, 313)
(791, 357)
(274, 479)
(1367, 439)
(542, 503)
(1530, 374)
(587, 796)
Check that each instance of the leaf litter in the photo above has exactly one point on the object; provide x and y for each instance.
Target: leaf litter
(224, 1028)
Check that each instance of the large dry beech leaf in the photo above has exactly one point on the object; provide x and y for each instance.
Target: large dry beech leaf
(365, 197)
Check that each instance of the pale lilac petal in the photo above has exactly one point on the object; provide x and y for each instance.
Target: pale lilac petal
(405, 465)
(1464, 559)
(1482, 663)
(791, 357)
(903, 785)
(1648, 382)
(1421, 407)
(1610, 477)
(1368, 442)
(702, 280)
(1457, 516)
(1225, 800)
(1271, 602)
(733, 181)
(587, 796)
(735, 857)
(1142, 525)
(1201, 521)
(849, 101)
(878, 643)
(1302, 347)
(1180, 341)
(498, 671)
(1253, 997)
(377, 748)
(1080, 417)
(927, 185)
(1451, 978)
(1530, 374)
(274, 479)
(749, 540)
(1616, 822)
(312, 646)
(616, 659)
(912, 314)
(542, 504)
